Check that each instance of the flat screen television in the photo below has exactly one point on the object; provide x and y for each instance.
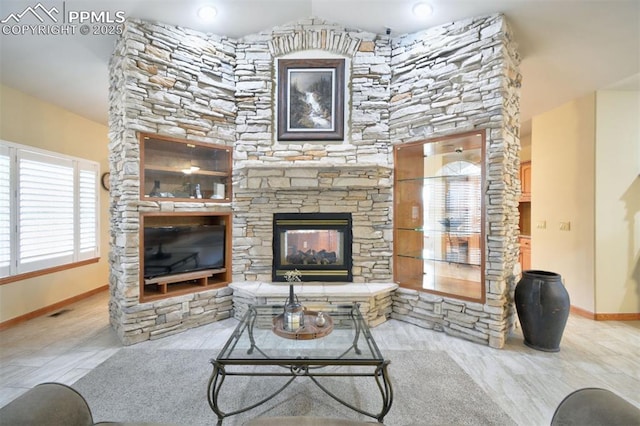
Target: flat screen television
(172, 250)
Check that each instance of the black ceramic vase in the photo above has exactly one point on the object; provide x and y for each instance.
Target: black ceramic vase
(542, 303)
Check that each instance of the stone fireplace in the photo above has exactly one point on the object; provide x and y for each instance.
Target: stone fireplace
(318, 245)
(362, 192)
(178, 82)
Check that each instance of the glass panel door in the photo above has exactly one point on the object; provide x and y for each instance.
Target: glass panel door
(439, 225)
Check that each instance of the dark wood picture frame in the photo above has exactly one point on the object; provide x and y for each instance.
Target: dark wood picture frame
(311, 99)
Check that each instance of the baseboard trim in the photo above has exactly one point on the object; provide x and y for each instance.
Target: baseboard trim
(605, 317)
(582, 312)
(618, 317)
(42, 311)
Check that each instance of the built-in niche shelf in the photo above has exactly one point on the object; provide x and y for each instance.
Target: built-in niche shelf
(183, 253)
(183, 170)
(439, 215)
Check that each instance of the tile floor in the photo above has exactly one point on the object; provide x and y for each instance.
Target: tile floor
(527, 384)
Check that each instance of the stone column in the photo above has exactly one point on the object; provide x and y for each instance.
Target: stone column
(454, 78)
(175, 82)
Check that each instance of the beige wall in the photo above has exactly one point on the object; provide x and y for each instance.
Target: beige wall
(563, 190)
(586, 157)
(617, 195)
(29, 121)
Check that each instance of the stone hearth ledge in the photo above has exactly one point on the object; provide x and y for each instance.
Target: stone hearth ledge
(375, 299)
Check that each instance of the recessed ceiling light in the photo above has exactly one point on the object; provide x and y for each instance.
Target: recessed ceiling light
(207, 13)
(422, 10)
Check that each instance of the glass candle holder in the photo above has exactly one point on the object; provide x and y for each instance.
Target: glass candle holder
(293, 312)
(293, 316)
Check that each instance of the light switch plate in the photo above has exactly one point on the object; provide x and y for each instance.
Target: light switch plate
(541, 224)
(565, 226)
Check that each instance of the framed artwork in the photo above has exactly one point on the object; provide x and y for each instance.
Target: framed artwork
(311, 99)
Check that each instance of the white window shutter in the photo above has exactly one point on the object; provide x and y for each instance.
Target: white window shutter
(49, 207)
(5, 212)
(45, 211)
(87, 211)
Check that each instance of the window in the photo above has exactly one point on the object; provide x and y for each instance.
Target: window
(48, 209)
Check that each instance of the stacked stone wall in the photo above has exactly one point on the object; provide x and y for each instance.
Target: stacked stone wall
(366, 193)
(366, 112)
(455, 78)
(374, 301)
(168, 81)
(172, 81)
(353, 175)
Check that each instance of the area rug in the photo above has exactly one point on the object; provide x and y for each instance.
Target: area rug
(170, 386)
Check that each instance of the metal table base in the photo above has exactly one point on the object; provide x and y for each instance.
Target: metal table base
(302, 366)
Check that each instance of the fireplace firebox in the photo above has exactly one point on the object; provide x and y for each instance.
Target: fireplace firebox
(316, 244)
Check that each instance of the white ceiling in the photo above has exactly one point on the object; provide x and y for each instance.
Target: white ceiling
(569, 47)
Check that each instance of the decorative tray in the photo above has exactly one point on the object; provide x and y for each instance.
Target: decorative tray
(309, 331)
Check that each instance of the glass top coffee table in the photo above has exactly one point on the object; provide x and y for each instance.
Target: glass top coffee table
(258, 347)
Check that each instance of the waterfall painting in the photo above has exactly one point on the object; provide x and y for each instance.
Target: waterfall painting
(311, 99)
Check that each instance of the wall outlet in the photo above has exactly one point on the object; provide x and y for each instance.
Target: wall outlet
(565, 226)
(437, 308)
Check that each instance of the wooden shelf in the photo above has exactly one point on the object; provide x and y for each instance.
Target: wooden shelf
(179, 289)
(172, 170)
(201, 277)
(163, 159)
(170, 285)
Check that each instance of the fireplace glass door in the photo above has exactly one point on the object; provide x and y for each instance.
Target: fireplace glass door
(317, 245)
(311, 247)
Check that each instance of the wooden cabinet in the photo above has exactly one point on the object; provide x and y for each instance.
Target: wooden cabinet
(525, 181)
(524, 208)
(439, 215)
(525, 253)
(183, 170)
